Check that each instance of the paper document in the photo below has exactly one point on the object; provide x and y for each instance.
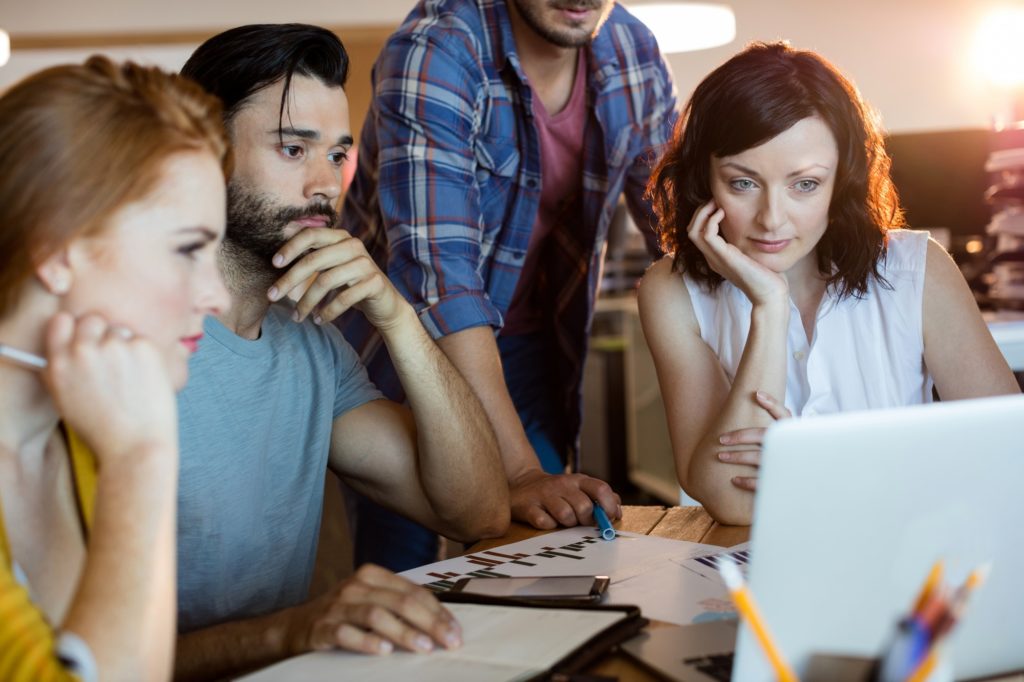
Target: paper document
(500, 643)
(707, 564)
(570, 551)
(645, 571)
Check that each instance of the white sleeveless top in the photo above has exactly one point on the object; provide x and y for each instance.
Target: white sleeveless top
(867, 353)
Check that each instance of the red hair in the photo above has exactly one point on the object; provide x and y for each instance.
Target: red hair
(79, 142)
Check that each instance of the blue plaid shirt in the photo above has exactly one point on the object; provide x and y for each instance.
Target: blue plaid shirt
(449, 179)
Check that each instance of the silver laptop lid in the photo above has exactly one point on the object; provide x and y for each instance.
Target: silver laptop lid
(852, 511)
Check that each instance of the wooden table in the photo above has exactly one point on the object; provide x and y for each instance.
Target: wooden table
(677, 523)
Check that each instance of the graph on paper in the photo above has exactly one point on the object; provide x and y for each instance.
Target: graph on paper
(644, 570)
(707, 564)
(571, 551)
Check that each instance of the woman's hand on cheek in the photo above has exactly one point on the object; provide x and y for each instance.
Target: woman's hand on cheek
(760, 284)
(111, 387)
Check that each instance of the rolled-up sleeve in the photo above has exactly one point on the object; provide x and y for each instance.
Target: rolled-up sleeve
(429, 97)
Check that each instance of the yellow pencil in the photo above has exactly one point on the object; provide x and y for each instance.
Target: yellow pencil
(744, 601)
(956, 609)
(930, 584)
(925, 669)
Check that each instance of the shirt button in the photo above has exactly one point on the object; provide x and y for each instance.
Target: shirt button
(799, 355)
(531, 183)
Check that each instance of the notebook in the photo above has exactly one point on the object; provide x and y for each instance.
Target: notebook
(851, 512)
(503, 640)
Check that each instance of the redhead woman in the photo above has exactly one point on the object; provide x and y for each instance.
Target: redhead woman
(792, 287)
(111, 210)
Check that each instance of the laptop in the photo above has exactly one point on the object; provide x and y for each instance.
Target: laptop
(852, 511)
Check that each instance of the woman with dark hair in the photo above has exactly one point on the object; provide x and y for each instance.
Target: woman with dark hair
(111, 210)
(791, 287)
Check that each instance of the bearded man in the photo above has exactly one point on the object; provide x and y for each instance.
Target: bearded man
(276, 395)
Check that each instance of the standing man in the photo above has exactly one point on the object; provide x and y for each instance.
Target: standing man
(501, 135)
(277, 395)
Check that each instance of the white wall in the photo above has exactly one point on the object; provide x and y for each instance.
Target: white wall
(909, 57)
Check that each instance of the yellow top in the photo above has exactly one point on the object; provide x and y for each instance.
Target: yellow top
(28, 649)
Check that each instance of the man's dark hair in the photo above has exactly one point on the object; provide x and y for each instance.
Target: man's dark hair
(759, 93)
(239, 62)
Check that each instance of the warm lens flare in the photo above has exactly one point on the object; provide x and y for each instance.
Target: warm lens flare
(999, 47)
(5, 47)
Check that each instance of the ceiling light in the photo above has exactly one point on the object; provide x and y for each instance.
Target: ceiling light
(5, 47)
(687, 26)
(999, 47)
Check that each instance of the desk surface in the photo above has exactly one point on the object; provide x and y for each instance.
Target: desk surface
(677, 523)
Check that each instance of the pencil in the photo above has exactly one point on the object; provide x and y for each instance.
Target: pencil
(928, 588)
(21, 357)
(744, 601)
(958, 602)
(927, 666)
(949, 619)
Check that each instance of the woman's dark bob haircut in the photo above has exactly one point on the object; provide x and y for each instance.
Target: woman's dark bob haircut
(747, 101)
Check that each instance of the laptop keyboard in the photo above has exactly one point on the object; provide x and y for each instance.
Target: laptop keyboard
(718, 666)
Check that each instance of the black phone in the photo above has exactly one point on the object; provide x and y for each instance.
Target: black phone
(581, 587)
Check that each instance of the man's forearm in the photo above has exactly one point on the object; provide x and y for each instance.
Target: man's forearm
(474, 353)
(460, 465)
(231, 648)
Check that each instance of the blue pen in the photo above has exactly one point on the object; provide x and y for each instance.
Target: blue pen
(603, 524)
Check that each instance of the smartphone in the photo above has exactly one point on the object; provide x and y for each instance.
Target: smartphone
(581, 587)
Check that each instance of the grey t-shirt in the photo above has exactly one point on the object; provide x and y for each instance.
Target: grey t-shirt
(256, 421)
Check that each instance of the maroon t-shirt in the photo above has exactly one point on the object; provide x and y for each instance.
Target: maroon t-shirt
(561, 152)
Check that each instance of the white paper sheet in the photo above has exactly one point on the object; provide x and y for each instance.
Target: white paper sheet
(704, 564)
(570, 551)
(500, 643)
(645, 571)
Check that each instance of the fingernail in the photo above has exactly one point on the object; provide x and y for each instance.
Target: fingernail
(452, 640)
(726, 438)
(725, 456)
(761, 395)
(317, 319)
(385, 647)
(278, 260)
(272, 293)
(295, 316)
(423, 643)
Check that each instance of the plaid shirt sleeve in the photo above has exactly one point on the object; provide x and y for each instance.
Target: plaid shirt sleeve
(428, 98)
(660, 118)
